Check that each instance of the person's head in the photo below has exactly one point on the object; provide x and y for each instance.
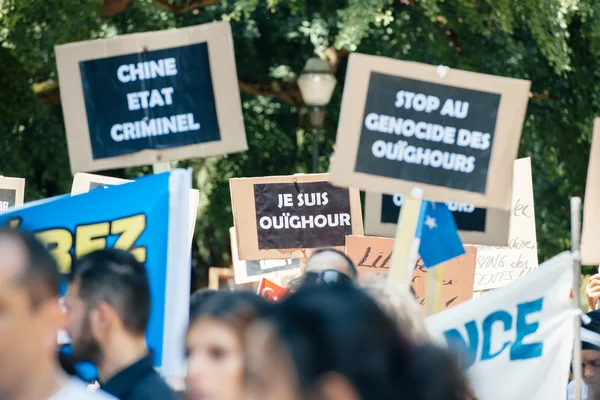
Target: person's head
(329, 342)
(30, 315)
(399, 303)
(331, 259)
(108, 299)
(590, 351)
(214, 344)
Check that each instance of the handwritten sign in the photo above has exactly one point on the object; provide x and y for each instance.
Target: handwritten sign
(370, 254)
(282, 217)
(457, 281)
(151, 97)
(499, 266)
(373, 255)
(403, 125)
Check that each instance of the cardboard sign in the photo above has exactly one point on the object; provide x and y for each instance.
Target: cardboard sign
(83, 183)
(370, 254)
(458, 279)
(590, 235)
(374, 254)
(476, 225)
(499, 266)
(402, 126)
(12, 192)
(151, 97)
(255, 270)
(282, 217)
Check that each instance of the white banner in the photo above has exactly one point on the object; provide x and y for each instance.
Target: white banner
(516, 341)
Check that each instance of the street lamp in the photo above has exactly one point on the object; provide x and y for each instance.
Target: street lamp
(316, 83)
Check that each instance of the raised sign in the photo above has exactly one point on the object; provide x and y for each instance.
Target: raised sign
(287, 216)
(405, 125)
(147, 98)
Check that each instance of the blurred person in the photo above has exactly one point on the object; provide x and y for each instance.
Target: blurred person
(214, 344)
(334, 342)
(590, 355)
(108, 306)
(592, 291)
(325, 266)
(400, 305)
(331, 259)
(31, 318)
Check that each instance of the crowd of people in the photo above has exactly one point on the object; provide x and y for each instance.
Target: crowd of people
(334, 337)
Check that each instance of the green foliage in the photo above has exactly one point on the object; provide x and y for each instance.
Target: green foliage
(553, 43)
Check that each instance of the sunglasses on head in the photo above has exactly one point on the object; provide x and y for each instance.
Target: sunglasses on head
(327, 277)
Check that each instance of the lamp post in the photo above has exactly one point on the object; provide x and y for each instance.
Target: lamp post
(316, 83)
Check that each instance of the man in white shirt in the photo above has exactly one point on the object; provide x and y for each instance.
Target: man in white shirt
(30, 317)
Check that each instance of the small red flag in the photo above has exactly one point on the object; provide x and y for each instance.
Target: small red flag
(271, 291)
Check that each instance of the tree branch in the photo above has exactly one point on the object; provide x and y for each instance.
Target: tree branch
(188, 6)
(114, 7)
(289, 94)
(333, 56)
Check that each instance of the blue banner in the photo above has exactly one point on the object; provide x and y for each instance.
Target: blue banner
(136, 217)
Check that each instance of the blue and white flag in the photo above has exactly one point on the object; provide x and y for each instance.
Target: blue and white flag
(516, 342)
(148, 217)
(438, 235)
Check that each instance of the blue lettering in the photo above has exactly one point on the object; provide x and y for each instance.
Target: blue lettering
(488, 323)
(519, 350)
(468, 352)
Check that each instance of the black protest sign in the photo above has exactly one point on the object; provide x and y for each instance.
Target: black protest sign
(152, 97)
(403, 126)
(8, 198)
(467, 216)
(476, 225)
(427, 133)
(150, 100)
(285, 217)
(307, 215)
(12, 192)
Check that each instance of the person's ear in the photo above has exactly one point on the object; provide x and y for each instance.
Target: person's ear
(334, 386)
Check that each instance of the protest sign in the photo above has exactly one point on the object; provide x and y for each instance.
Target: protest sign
(83, 183)
(255, 270)
(590, 234)
(153, 230)
(475, 225)
(521, 335)
(374, 254)
(151, 97)
(403, 125)
(12, 192)
(370, 254)
(456, 285)
(282, 217)
(498, 266)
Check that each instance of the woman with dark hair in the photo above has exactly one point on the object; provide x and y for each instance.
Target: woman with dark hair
(214, 344)
(333, 342)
